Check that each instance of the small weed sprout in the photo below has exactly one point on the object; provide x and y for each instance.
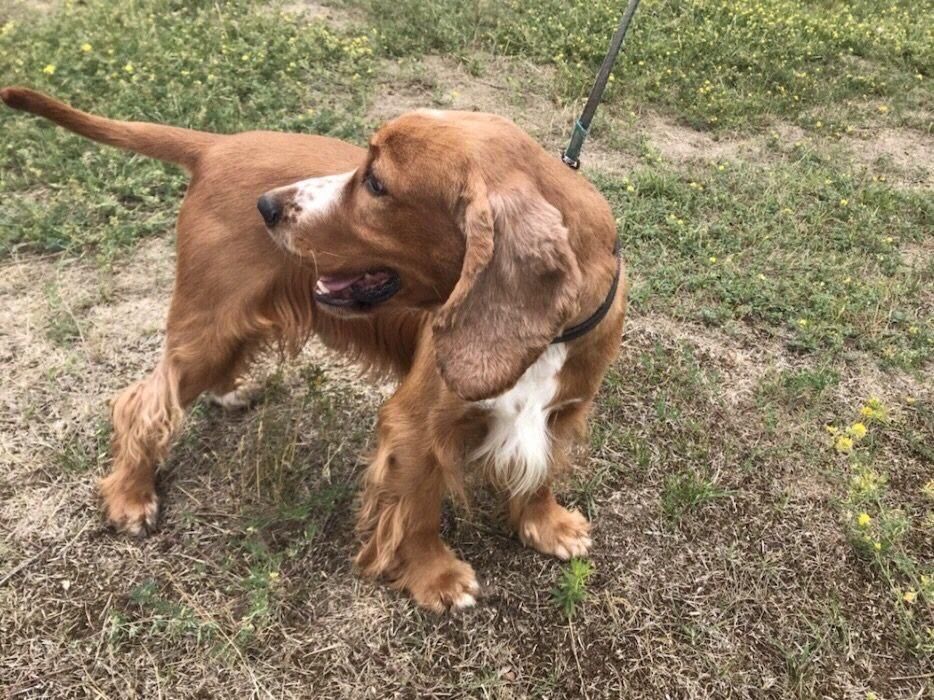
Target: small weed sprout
(572, 587)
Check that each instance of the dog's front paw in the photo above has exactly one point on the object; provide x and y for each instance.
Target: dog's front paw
(552, 529)
(134, 511)
(446, 583)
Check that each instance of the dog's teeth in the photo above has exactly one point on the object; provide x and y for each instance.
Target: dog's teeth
(321, 288)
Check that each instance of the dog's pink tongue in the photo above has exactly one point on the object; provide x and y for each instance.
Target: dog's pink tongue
(336, 283)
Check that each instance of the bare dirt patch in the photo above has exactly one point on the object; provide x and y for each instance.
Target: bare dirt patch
(681, 144)
(907, 155)
(337, 17)
(742, 361)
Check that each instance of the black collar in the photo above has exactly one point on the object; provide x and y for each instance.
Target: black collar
(591, 322)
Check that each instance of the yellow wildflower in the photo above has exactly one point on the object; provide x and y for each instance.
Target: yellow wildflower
(712, 259)
(873, 410)
(844, 201)
(857, 431)
(844, 444)
(49, 69)
(867, 483)
(863, 519)
(86, 47)
(910, 596)
(129, 68)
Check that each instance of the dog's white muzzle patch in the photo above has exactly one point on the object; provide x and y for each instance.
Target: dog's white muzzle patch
(317, 196)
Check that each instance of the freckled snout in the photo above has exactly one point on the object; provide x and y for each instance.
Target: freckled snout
(270, 208)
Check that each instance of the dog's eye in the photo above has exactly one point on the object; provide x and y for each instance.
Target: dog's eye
(374, 186)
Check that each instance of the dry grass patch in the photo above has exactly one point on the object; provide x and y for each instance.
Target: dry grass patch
(718, 540)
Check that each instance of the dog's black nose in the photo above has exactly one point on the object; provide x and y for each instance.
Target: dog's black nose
(270, 210)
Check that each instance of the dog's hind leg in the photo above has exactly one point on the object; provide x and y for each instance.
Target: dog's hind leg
(146, 417)
(235, 394)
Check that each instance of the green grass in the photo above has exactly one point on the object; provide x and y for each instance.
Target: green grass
(879, 524)
(713, 63)
(687, 491)
(223, 67)
(809, 251)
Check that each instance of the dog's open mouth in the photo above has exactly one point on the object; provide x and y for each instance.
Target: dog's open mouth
(359, 291)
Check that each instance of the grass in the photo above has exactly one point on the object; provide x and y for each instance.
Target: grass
(879, 526)
(687, 491)
(758, 470)
(811, 253)
(712, 63)
(63, 326)
(227, 68)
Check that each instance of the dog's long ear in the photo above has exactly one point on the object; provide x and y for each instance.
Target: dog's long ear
(518, 288)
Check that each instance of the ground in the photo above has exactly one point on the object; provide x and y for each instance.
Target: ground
(760, 470)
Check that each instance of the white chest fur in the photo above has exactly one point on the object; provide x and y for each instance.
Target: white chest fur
(518, 443)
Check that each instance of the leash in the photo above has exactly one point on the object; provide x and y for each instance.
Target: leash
(571, 155)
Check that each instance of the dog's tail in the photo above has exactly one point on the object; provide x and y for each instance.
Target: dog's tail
(169, 143)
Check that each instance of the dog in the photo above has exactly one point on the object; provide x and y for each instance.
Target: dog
(512, 257)
(236, 292)
(453, 252)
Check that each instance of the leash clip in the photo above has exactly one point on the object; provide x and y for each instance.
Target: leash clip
(582, 125)
(573, 163)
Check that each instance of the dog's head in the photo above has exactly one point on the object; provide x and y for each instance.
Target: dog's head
(447, 213)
